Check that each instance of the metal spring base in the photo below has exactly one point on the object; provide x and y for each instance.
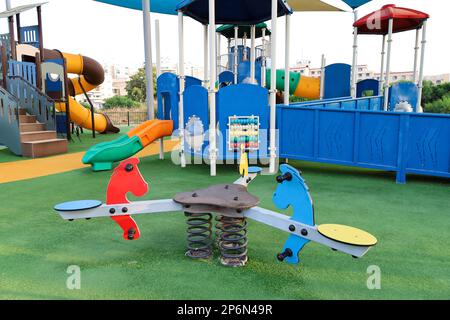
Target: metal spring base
(232, 240)
(199, 235)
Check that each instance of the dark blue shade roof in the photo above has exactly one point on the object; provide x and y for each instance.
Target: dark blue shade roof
(356, 3)
(247, 12)
(158, 6)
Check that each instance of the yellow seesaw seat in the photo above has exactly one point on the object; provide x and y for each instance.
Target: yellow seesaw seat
(347, 235)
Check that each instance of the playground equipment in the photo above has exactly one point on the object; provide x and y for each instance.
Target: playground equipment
(233, 205)
(91, 75)
(103, 155)
(347, 123)
(391, 19)
(35, 86)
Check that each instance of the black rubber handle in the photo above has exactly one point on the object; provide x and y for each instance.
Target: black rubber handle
(285, 177)
(287, 253)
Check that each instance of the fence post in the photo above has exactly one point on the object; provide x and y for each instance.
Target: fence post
(128, 117)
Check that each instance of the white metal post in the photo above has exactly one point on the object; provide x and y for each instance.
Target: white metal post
(252, 54)
(182, 84)
(263, 57)
(416, 54)
(355, 57)
(244, 44)
(158, 73)
(273, 88)
(212, 89)
(235, 71)
(8, 4)
(218, 53)
(422, 65)
(148, 59)
(287, 49)
(205, 57)
(383, 53)
(322, 77)
(388, 65)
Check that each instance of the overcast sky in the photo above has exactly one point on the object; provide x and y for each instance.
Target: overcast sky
(114, 35)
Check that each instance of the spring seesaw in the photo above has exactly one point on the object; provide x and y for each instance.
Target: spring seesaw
(232, 205)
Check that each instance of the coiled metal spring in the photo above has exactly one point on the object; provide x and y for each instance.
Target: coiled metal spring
(232, 240)
(199, 235)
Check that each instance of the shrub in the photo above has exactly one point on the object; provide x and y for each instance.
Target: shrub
(120, 102)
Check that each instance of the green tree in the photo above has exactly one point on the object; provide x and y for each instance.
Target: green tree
(439, 106)
(136, 85)
(120, 102)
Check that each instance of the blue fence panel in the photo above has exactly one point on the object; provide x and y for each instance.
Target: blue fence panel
(10, 122)
(26, 70)
(429, 145)
(402, 142)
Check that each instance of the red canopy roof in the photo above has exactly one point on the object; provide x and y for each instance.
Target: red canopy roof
(378, 22)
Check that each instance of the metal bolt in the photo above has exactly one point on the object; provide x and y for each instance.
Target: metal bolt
(304, 232)
(129, 167)
(124, 209)
(112, 210)
(292, 228)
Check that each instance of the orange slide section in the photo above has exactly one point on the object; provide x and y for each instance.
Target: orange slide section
(103, 155)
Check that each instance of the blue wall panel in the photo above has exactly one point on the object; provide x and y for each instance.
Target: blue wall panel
(402, 142)
(336, 135)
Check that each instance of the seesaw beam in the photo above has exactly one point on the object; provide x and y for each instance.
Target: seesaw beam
(268, 217)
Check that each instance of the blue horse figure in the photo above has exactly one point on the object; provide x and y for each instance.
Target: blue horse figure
(293, 191)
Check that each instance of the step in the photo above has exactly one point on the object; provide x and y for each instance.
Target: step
(29, 127)
(37, 135)
(44, 148)
(27, 118)
(22, 111)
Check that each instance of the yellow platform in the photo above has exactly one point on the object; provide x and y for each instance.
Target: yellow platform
(347, 235)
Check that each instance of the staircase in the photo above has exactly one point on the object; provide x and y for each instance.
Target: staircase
(36, 140)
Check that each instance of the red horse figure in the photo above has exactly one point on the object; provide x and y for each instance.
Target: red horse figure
(126, 178)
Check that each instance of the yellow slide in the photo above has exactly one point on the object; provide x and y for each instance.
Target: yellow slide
(91, 75)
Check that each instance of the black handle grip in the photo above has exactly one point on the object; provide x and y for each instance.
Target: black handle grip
(285, 177)
(287, 253)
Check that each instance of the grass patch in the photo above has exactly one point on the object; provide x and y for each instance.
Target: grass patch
(411, 222)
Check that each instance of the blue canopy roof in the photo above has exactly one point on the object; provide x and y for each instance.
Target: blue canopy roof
(157, 6)
(356, 3)
(233, 11)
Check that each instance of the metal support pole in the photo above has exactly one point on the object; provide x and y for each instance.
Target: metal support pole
(416, 54)
(158, 73)
(322, 77)
(355, 57)
(219, 45)
(263, 64)
(273, 88)
(40, 32)
(205, 56)
(212, 89)
(182, 84)
(383, 53)
(252, 54)
(388, 65)
(287, 49)
(148, 58)
(236, 35)
(422, 65)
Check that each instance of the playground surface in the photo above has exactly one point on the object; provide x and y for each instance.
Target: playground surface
(37, 246)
